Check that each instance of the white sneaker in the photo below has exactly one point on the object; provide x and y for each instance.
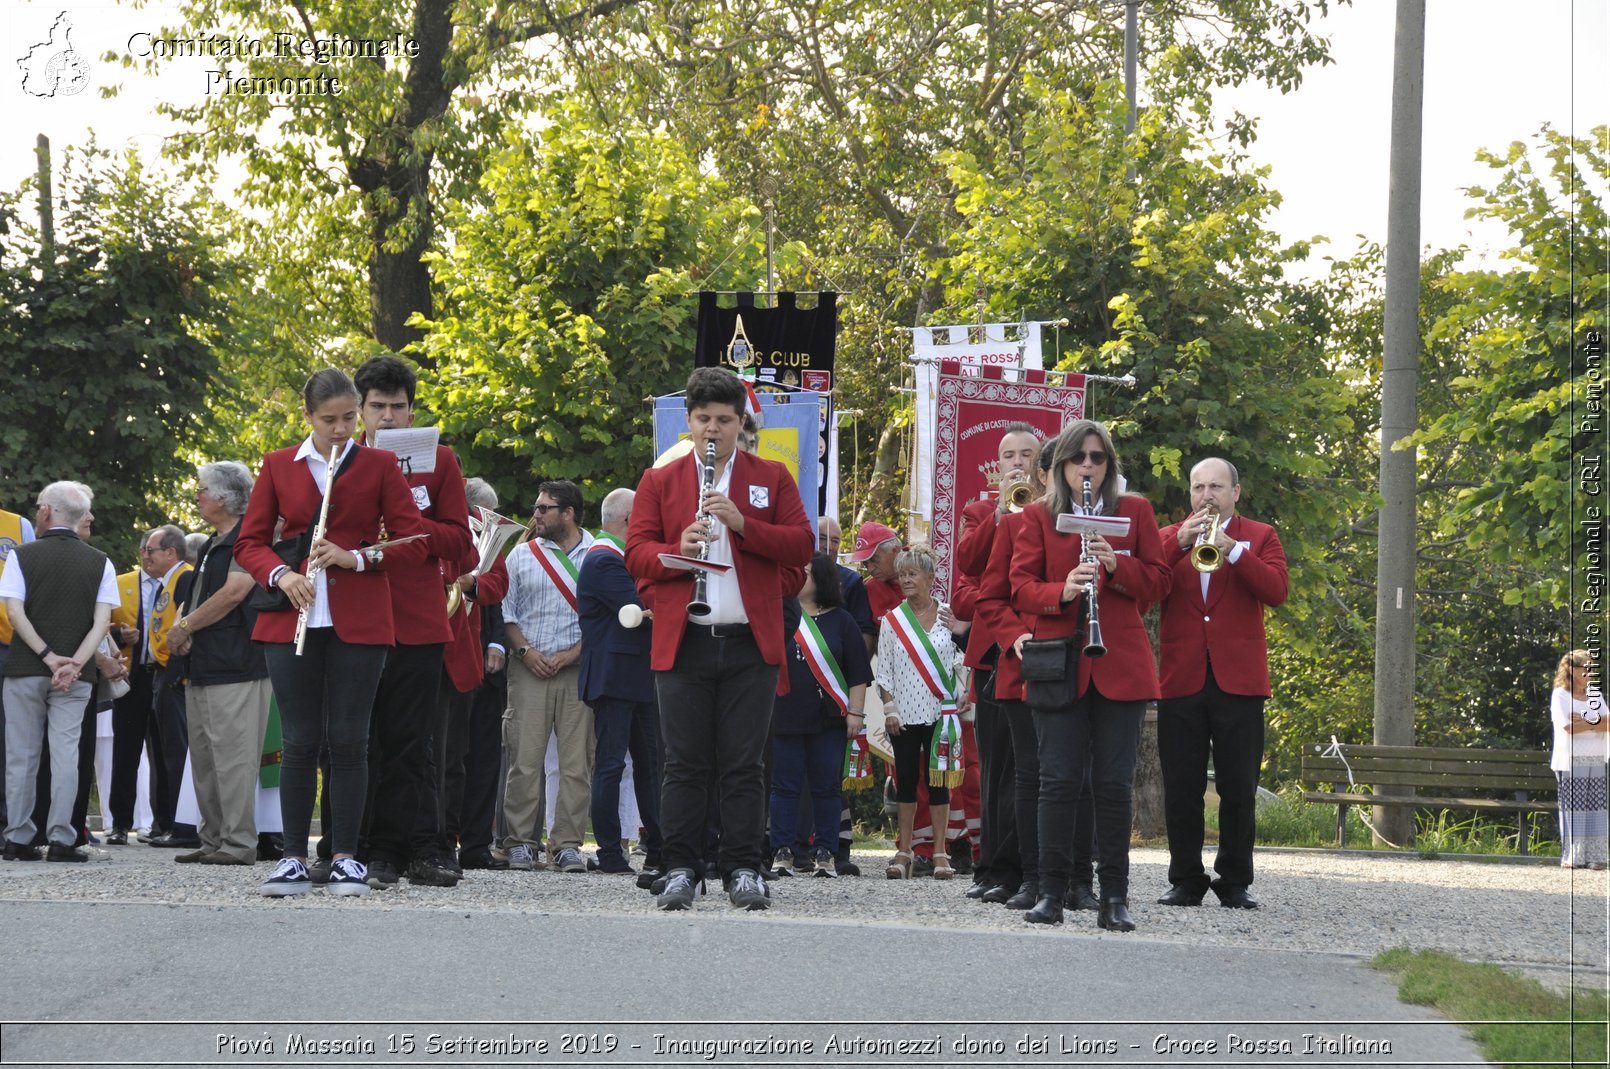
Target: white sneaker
(348, 876)
(288, 878)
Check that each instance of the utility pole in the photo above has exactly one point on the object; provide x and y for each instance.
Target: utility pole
(47, 216)
(1394, 569)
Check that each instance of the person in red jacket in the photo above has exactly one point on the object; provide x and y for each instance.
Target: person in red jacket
(716, 676)
(1095, 722)
(325, 692)
(1215, 679)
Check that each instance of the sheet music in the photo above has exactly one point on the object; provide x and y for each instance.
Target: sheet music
(415, 447)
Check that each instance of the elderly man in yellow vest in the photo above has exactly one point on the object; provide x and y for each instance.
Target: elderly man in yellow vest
(15, 530)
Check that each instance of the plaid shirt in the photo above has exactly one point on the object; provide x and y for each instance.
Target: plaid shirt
(535, 605)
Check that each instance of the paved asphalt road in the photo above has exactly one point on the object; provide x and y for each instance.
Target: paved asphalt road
(89, 983)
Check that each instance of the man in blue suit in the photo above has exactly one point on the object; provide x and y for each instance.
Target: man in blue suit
(617, 685)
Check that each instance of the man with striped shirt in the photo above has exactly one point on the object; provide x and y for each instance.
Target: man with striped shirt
(544, 635)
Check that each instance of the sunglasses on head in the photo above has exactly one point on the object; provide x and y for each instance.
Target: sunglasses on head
(1096, 456)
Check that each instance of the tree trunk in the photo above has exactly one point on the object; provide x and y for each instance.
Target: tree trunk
(1149, 822)
(883, 489)
(399, 282)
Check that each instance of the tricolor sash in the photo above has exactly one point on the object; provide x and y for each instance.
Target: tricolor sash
(945, 752)
(560, 568)
(822, 663)
(857, 764)
(606, 541)
(941, 681)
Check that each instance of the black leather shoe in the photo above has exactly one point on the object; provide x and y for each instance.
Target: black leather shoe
(429, 872)
(1114, 916)
(977, 890)
(1081, 897)
(1047, 910)
(1180, 895)
(998, 894)
(650, 875)
(270, 846)
(1026, 896)
(481, 859)
(117, 837)
(20, 852)
(1236, 898)
(58, 852)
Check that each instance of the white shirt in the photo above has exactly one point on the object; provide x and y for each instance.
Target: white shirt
(726, 599)
(1585, 744)
(14, 585)
(914, 703)
(318, 470)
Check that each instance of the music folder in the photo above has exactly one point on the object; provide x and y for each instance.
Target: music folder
(694, 564)
(1105, 526)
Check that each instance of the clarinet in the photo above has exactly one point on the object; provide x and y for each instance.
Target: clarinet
(700, 603)
(1093, 644)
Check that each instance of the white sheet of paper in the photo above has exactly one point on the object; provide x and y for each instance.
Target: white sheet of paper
(415, 447)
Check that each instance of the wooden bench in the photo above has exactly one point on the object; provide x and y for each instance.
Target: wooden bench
(1451, 776)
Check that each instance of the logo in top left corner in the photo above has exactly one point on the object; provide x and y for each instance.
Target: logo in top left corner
(53, 67)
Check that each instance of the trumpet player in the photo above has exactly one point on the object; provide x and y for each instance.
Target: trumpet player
(1226, 569)
(716, 678)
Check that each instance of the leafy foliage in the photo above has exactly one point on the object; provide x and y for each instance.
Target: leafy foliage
(109, 348)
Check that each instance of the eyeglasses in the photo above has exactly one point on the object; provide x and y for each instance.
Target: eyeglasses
(1095, 456)
(543, 510)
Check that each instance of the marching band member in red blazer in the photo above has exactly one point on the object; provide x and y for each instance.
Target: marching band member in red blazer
(1215, 680)
(349, 616)
(1100, 727)
(716, 677)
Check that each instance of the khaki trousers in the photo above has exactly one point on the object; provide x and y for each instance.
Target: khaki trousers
(539, 708)
(227, 721)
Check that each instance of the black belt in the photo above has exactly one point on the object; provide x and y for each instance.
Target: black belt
(722, 630)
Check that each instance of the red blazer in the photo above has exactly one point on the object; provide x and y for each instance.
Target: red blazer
(464, 659)
(419, 593)
(972, 557)
(369, 490)
(776, 538)
(994, 614)
(1229, 624)
(1041, 561)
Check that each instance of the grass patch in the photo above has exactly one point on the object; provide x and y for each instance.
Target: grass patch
(1515, 1020)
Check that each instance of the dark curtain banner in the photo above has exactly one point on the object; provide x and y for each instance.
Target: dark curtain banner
(793, 347)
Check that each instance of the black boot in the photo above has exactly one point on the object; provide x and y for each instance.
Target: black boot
(1026, 896)
(1047, 910)
(1114, 916)
(1080, 896)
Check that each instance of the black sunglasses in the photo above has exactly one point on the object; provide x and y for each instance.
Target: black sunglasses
(1096, 457)
(543, 510)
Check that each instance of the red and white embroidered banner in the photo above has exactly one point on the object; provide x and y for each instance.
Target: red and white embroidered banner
(973, 412)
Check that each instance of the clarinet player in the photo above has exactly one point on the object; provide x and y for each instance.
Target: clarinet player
(326, 687)
(1095, 720)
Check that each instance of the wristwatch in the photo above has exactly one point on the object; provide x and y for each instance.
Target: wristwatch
(520, 653)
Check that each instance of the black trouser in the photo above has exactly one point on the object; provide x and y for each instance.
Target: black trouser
(621, 727)
(325, 697)
(715, 712)
(471, 811)
(999, 857)
(448, 751)
(1026, 788)
(1230, 728)
(400, 731)
(173, 727)
(86, 776)
(134, 726)
(1101, 735)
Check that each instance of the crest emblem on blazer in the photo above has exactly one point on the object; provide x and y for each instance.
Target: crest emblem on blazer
(161, 603)
(759, 496)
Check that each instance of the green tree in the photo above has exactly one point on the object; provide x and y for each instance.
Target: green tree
(108, 346)
(568, 301)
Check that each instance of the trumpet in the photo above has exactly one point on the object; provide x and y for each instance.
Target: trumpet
(1017, 494)
(1205, 556)
(1094, 647)
(699, 604)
